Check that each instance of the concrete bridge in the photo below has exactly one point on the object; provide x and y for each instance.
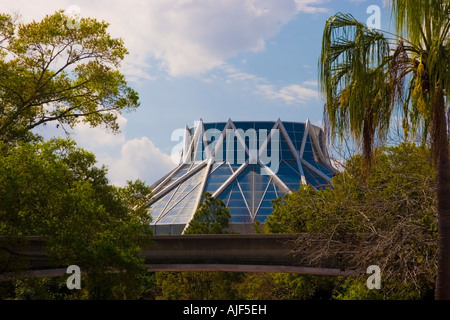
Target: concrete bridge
(231, 252)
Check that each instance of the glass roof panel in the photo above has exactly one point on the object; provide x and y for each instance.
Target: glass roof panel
(251, 191)
(285, 151)
(308, 154)
(314, 179)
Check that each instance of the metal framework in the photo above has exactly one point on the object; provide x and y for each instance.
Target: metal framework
(247, 187)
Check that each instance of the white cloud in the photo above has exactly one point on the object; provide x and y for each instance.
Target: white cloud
(98, 137)
(182, 37)
(126, 159)
(139, 159)
(313, 84)
(310, 6)
(291, 94)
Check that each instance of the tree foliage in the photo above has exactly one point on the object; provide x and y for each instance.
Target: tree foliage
(390, 221)
(53, 189)
(211, 217)
(286, 286)
(369, 76)
(51, 72)
(54, 72)
(198, 285)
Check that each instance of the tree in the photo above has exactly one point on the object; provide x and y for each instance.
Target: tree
(369, 75)
(53, 189)
(211, 217)
(286, 286)
(389, 221)
(50, 71)
(198, 285)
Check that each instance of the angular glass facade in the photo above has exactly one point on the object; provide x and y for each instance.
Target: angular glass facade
(246, 164)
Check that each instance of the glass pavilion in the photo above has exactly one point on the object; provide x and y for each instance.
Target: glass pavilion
(246, 164)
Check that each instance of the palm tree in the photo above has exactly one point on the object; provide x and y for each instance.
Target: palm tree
(369, 76)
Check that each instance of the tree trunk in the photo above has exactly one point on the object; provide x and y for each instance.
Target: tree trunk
(442, 160)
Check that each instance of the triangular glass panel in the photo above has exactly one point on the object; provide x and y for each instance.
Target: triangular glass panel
(314, 179)
(308, 153)
(199, 150)
(216, 165)
(233, 151)
(182, 172)
(157, 209)
(279, 190)
(187, 185)
(299, 130)
(285, 151)
(293, 166)
(253, 186)
(185, 208)
(266, 208)
(217, 178)
(289, 176)
(235, 203)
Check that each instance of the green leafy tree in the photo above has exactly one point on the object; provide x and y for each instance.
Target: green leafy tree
(53, 189)
(211, 217)
(389, 221)
(368, 76)
(198, 285)
(50, 71)
(286, 286)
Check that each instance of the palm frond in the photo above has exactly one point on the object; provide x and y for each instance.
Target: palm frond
(355, 80)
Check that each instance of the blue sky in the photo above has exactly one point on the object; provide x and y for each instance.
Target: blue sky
(209, 59)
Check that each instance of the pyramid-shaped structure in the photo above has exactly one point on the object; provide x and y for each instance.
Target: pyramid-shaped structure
(245, 164)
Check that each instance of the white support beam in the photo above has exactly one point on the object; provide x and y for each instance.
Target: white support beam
(240, 139)
(207, 152)
(305, 137)
(179, 180)
(201, 191)
(265, 144)
(293, 151)
(188, 156)
(245, 200)
(204, 181)
(262, 199)
(320, 173)
(219, 144)
(187, 143)
(164, 210)
(323, 154)
(316, 144)
(274, 177)
(230, 180)
(198, 140)
(160, 184)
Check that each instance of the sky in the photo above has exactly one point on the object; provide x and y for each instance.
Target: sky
(203, 59)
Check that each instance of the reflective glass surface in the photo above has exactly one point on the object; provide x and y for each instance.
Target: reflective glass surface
(247, 192)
